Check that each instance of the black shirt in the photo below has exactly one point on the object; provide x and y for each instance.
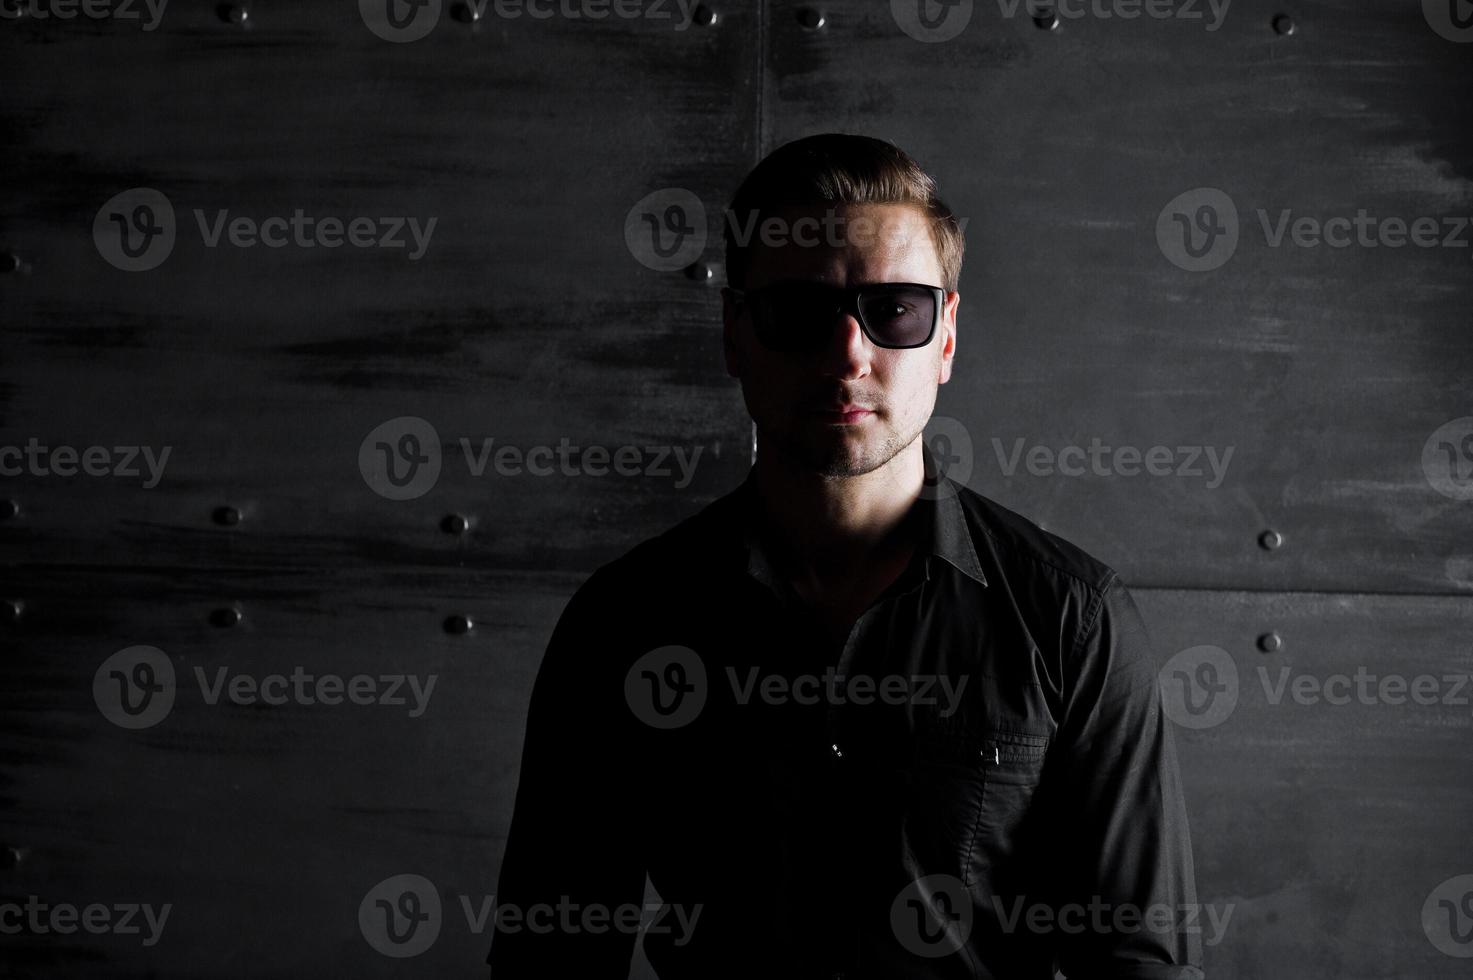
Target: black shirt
(979, 782)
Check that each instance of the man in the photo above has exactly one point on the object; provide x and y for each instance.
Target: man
(852, 719)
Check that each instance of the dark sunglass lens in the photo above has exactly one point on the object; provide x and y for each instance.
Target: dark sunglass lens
(796, 316)
(899, 316)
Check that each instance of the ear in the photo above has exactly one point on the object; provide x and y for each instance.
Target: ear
(731, 314)
(947, 326)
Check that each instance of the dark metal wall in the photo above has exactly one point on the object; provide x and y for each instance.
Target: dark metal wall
(1124, 179)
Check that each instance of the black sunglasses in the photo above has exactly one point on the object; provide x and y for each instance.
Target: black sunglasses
(799, 317)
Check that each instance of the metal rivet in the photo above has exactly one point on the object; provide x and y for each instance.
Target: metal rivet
(1269, 540)
(466, 13)
(11, 609)
(458, 624)
(9, 262)
(9, 509)
(224, 617)
(1270, 642)
(10, 857)
(234, 13)
(455, 524)
(1284, 24)
(704, 15)
(699, 271)
(1046, 21)
(811, 19)
(226, 516)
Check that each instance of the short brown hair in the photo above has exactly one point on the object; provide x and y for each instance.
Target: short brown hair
(839, 168)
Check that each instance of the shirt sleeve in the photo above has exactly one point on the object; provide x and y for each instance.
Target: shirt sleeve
(569, 894)
(1127, 849)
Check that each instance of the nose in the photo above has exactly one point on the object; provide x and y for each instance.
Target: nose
(848, 352)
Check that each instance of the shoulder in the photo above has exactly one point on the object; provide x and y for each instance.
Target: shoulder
(1016, 549)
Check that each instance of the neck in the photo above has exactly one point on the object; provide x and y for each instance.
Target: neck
(829, 528)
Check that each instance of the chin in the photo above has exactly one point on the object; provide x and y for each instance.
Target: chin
(843, 455)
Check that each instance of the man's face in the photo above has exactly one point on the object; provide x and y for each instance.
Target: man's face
(793, 397)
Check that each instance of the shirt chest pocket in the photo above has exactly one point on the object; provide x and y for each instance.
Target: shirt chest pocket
(967, 795)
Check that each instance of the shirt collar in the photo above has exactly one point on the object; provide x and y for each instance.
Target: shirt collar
(943, 524)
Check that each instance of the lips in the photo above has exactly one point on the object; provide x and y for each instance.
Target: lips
(844, 413)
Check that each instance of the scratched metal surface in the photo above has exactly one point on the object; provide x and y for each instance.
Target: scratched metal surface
(529, 320)
(526, 320)
(1327, 786)
(1324, 370)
